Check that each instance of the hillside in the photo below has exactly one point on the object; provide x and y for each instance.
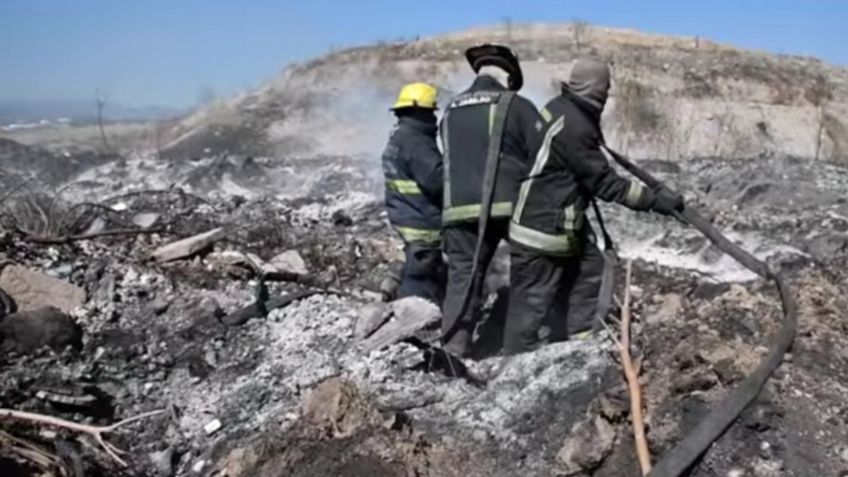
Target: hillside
(672, 97)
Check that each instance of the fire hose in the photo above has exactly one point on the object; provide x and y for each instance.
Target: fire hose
(682, 456)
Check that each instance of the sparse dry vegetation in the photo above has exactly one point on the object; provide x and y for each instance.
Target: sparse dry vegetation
(580, 28)
(635, 104)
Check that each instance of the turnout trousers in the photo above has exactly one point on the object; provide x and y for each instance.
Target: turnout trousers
(460, 241)
(562, 291)
(424, 272)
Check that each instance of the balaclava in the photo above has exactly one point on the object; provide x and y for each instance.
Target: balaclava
(590, 80)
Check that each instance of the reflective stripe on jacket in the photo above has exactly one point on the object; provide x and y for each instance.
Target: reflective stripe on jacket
(412, 165)
(569, 170)
(465, 131)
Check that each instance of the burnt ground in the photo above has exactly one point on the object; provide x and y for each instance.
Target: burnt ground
(295, 396)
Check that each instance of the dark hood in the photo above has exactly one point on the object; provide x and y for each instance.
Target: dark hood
(590, 80)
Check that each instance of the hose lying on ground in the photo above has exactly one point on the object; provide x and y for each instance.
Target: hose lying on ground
(681, 457)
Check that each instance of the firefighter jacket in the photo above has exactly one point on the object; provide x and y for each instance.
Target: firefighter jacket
(412, 165)
(569, 170)
(465, 132)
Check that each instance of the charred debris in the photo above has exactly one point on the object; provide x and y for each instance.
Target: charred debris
(254, 336)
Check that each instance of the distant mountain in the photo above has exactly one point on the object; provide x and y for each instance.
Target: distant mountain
(76, 110)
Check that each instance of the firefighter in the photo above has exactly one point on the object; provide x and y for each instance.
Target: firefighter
(485, 129)
(556, 264)
(412, 165)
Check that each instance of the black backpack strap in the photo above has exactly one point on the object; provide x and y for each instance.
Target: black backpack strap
(490, 176)
(608, 275)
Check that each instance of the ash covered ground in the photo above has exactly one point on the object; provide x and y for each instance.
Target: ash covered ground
(292, 391)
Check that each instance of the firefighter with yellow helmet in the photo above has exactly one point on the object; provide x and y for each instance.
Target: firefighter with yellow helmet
(412, 165)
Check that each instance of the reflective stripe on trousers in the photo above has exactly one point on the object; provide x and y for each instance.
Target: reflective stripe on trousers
(472, 211)
(424, 236)
(565, 244)
(572, 218)
(634, 194)
(403, 186)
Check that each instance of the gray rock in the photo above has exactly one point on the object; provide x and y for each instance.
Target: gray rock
(370, 317)
(289, 262)
(31, 330)
(589, 443)
(163, 462)
(410, 315)
(145, 220)
(188, 246)
(32, 290)
(212, 427)
(669, 309)
(160, 305)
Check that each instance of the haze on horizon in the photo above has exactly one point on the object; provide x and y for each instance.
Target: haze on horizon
(176, 54)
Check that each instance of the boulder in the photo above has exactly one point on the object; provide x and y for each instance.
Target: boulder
(27, 331)
(33, 290)
(187, 247)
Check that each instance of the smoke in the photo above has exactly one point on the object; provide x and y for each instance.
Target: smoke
(343, 106)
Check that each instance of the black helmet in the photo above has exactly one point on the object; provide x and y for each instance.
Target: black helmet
(497, 55)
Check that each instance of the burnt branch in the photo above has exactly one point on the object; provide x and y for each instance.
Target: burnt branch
(97, 432)
(15, 190)
(39, 239)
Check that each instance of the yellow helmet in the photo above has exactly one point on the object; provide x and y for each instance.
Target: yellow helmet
(421, 95)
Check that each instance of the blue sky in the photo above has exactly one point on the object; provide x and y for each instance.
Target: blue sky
(168, 52)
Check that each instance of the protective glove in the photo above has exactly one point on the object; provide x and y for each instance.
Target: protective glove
(666, 201)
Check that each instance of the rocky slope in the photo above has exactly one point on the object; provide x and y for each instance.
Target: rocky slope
(672, 98)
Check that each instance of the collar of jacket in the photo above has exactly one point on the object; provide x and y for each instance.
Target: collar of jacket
(592, 111)
(430, 129)
(486, 83)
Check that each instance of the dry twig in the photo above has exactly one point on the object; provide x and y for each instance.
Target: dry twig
(94, 431)
(632, 375)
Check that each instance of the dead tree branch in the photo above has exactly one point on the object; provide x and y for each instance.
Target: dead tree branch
(96, 432)
(15, 189)
(76, 238)
(101, 103)
(632, 375)
(172, 190)
(30, 451)
(70, 226)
